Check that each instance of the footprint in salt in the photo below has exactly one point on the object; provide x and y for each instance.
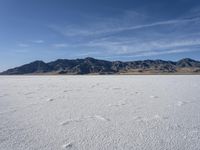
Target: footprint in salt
(67, 146)
(29, 93)
(181, 103)
(6, 112)
(98, 117)
(165, 117)
(4, 95)
(29, 97)
(116, 88)
(93, 86)
(101, 118)
(71, 121)
(50, 100)
(156, 117)
(66, 91)
(141, 119)
(153, 96)
(117, 105)
(138, 92)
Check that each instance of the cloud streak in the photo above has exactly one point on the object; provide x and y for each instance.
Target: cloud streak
(23, 45)
(38, 41)
(108, 29)
(151, 53)
(61, 45)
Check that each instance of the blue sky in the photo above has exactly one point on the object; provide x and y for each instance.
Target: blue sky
(105, 29)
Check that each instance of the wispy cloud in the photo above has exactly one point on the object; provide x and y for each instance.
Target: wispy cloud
(150, 53)
(169, 22)
(38, 41)
(108, 28)
(61, 45)
(20, 51)
(23, 45)
(30, 43)
(100, 25)
(170, 51)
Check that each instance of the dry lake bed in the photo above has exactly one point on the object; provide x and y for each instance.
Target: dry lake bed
(100, 112)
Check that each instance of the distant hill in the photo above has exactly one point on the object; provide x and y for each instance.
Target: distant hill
(94, 66)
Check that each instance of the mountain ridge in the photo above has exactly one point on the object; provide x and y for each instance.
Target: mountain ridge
(91, 65)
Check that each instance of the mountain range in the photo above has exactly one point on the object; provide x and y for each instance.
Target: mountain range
(95, 66)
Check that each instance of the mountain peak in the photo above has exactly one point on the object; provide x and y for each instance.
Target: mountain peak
(90, 58)
(187, 60)
(38, 62)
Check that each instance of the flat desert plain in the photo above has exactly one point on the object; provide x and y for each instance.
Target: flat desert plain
(100, 112)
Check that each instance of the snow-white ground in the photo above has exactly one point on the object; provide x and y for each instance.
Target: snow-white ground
(99, 112)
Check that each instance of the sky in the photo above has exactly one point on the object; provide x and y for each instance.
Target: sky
(104, 29)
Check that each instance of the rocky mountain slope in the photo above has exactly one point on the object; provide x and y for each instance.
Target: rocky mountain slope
(95, 66)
